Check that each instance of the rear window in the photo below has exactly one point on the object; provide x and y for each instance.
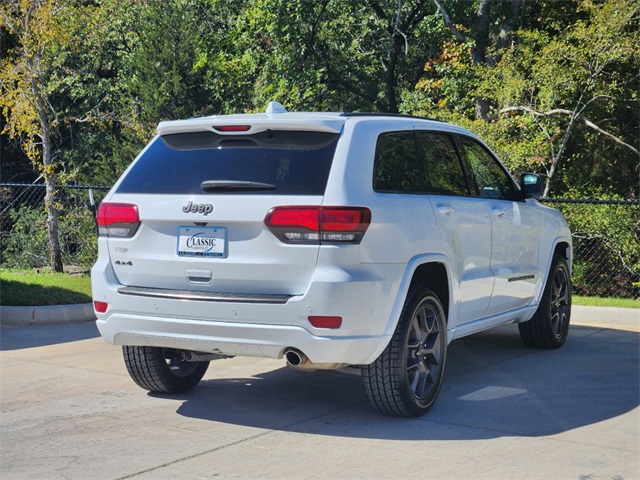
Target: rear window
(292, 162)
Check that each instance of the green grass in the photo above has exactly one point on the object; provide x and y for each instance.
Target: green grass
(606, 302)
(30, 288)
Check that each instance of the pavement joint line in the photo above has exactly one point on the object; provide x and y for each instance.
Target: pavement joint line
(509, 432)
(233, 444)
(195, 455)
(482, 429)
(578, 442)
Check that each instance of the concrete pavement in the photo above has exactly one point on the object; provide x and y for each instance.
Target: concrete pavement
(70, 410)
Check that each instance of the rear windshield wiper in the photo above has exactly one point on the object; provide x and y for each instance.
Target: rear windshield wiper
(218, 185)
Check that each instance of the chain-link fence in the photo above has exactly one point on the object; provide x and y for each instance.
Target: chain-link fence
(606, 245)
(606, 235)
(23, 224)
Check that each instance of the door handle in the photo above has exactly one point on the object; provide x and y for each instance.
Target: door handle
(446, 209)
(499, 212)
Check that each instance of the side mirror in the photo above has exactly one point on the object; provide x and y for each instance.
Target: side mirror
(531, 185)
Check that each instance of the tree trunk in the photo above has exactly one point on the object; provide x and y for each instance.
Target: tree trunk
(479, 52)
(390, 75)
(504, 37)
(53, 229)
(50, 177)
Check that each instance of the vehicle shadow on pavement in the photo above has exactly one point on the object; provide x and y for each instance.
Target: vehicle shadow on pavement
(15, 337)
(494, 387)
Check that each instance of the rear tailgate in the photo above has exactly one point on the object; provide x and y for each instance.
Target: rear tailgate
(211, 237)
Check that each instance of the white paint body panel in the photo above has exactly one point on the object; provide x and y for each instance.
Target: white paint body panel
(365, 284)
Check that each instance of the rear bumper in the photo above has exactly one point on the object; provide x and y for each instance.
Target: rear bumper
(253, 328)
(237, 339)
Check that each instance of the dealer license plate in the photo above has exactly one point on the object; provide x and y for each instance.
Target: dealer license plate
(202, 242)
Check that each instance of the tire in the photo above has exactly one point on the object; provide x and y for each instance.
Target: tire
(162, 370)
(549, 326)
(406, 378)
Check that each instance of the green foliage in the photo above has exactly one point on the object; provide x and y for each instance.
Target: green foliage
(569, 62)
(558, 81)
(618, 224)
(319, 55)
(26, 245)
(606, 246)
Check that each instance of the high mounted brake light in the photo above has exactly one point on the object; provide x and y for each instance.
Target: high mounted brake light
(117, 220)
(319, 225)
(233, 128)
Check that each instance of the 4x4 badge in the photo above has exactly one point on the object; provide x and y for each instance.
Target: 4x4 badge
(191, 207)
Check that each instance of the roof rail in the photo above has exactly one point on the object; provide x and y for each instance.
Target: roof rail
(383, 114)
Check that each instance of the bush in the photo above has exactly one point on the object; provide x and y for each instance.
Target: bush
(606, 240)
(27, 245)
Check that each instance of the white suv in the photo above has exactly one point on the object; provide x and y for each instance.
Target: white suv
(365, 241)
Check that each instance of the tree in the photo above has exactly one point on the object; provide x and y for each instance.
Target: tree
(164, 82)
(401, 25)
(329, 54)
(480, 36)
(586, 78)
(562, 93)
(25, 99)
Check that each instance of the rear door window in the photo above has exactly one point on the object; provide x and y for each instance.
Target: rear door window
(418, 162)
(266, 163)
(442, 169)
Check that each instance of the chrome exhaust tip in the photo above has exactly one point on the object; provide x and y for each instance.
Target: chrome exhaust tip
(294, 357)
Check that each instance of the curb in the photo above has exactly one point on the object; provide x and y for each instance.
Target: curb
(626, 318)
(46, 314)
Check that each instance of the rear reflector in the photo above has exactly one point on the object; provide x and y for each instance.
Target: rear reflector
(315, 224)
(117, 220)
(325, 322)
(100, 307)
(233, 128)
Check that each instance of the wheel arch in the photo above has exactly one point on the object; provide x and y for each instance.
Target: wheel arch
(430, 271)
(564, 248)
(561, 246)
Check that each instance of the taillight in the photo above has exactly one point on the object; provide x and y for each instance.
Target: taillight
(324, 225)
(117, 220)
